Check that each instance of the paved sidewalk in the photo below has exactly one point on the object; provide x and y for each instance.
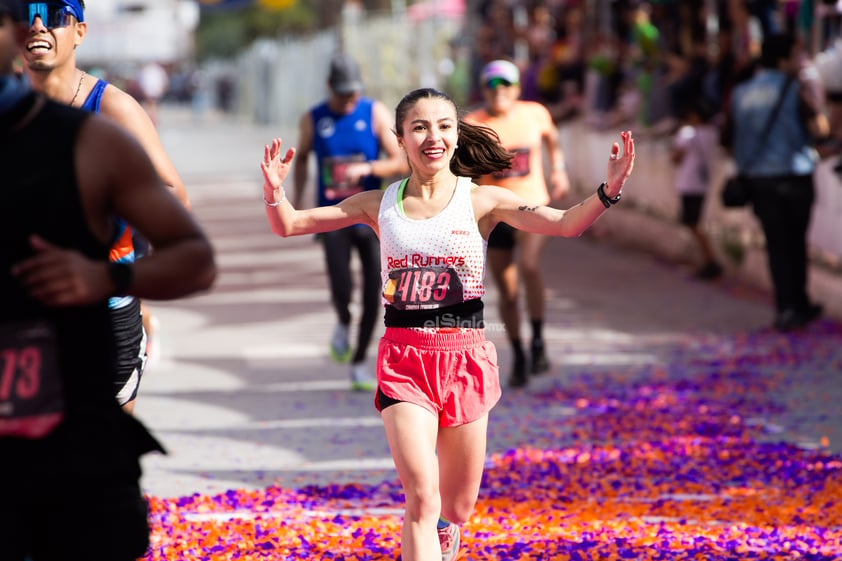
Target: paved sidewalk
(244, 394)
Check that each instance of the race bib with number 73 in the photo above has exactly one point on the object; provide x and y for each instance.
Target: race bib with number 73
(31, 401)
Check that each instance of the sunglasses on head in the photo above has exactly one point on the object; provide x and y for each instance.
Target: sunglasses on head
(495, 82)
(52, 15)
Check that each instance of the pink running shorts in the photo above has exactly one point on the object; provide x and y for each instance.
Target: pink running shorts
(451, 373)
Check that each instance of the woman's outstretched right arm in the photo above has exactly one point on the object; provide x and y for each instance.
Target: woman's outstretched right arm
(284, 220)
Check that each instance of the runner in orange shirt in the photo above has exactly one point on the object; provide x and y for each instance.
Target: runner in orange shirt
(527, 130)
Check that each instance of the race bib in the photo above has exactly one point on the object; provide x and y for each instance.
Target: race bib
(423, 288)
(31, 402)
(335, 177)
(520, 165)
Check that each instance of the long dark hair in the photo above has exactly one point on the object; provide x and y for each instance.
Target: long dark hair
(479, 152)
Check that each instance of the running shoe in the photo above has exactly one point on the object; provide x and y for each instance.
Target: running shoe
(340, 349)
(518, 378)
(540, 362)
(449, 538)
(361, 378)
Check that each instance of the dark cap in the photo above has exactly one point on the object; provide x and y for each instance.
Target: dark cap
(10, 7)
(344, 77)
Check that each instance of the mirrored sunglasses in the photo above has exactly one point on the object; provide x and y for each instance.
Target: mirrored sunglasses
(52, 15)
(495, 82)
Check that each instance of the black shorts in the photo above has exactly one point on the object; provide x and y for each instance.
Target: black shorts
(51, 521)
(141, 245)
(691, 209)
(384, 401)
(502, 237)
(130, 341)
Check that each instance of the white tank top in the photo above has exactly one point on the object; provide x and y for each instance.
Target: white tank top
(435, 262)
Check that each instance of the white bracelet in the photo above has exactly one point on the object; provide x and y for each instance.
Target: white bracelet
(273, 205)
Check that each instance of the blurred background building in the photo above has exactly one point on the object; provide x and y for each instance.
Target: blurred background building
(138, 31)
(598, 65)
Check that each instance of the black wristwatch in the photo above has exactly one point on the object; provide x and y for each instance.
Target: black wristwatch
(606, 202)
(121, 275)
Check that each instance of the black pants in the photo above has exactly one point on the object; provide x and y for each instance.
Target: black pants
(337, 246)
(783, 206)
(103, 520)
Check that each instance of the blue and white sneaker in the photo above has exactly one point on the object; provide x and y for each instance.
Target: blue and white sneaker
(361, 378)
(340, 349)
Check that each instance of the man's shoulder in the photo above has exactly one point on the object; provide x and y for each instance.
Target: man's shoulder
(320, 106)
(119, 104)
(532, 108)
(477, 115)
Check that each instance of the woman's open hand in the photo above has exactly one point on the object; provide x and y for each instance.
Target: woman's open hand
(275, 168)
(619, 166)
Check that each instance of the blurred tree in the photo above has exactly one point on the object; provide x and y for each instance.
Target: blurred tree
(276, 4)
(226, 27)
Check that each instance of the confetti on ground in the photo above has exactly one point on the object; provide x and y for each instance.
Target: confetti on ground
(673, 461)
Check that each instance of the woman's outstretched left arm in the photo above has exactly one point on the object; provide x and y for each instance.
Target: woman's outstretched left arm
(501, 205)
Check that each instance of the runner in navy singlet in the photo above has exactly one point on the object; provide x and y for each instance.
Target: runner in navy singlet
(347, 132)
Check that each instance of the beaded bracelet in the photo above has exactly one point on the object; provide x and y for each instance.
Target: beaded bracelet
(276, 203)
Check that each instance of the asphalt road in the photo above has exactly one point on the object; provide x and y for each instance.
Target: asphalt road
(243, 393)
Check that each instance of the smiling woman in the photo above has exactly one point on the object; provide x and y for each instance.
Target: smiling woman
(437, 376)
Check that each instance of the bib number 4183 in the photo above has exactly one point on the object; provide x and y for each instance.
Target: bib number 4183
(423, 288)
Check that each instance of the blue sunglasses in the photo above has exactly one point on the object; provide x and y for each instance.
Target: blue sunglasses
(52, 15)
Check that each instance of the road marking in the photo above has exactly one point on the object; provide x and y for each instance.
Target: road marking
(294, 515)
(310, 423)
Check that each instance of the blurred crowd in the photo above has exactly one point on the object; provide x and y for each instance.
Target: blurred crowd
(613, 61)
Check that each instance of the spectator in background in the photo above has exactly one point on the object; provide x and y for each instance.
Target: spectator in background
(526, 129)
(561, 80)
(828, 65)
(746, 34)
(495, 38)
(153, 82)
(347, 132)
(780, 174)
(694, 147)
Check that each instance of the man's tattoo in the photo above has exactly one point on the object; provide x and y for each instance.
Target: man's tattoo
(528, 208)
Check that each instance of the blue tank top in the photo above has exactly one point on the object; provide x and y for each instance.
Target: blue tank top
(122, 250)
(339, 140)
(94, 99)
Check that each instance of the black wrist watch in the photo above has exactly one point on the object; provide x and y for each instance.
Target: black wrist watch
(121, 275)
(606, 202)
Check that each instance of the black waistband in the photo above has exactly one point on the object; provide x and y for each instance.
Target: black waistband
(468, 314)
